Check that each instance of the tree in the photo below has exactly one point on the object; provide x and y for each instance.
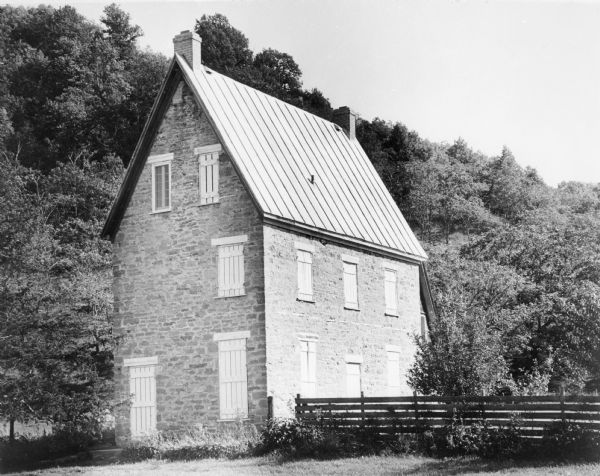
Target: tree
(224, 48)
(121, 33)
(55, 301)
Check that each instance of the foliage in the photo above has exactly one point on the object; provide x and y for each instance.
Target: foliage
(225, 49)
(568, 441)
(55, 303)
(199, 443)
(23, 452)
(458, 438)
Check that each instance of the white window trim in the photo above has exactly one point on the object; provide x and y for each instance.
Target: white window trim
(157, 161)
(299, 245)
(139, 361)
(308, 337)
(229, 240)
(219, 336)
(208, 149)
(393, 348)
(392, 266)
(160, 158)
(350, 259)
(353, 359)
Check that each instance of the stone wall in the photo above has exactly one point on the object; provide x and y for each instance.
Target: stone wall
(165, 280)
(338, 331)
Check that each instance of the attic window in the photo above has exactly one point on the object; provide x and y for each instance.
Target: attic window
(161, 182)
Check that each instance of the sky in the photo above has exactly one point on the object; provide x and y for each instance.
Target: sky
(525, 74)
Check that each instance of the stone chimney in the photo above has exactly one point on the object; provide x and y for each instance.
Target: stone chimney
(346, 119)
(187, 44)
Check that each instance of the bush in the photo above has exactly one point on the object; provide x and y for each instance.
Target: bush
(29, 452)
(227, 442)
(569, 441)
(327, 439)
(478, 438)
(294, 438)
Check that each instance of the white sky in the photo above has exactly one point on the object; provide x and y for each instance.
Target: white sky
(524, 74)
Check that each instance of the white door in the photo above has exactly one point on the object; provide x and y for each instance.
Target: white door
(142, 387)
(233, 379)
(393, 369)
(352, 379)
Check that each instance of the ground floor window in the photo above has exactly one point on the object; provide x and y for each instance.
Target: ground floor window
(142, 388)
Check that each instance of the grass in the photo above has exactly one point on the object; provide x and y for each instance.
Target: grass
(374, 465)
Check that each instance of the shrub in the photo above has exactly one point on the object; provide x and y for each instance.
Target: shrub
(565, 440)
(26, 452)
(227, 442)
(476, 438)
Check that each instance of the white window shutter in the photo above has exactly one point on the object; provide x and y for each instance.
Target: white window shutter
(353, 384)
(209, 177)
(231, 270)
(350, 285)
(233, 379)
(308, 368)
(305, 285)
(142, 387)
(393, 370)
(391, 294)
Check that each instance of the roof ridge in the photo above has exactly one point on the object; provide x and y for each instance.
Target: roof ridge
(229, 78)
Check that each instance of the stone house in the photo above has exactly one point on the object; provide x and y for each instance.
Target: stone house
(256, 253)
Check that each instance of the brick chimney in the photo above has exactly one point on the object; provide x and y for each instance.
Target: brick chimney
(187, 44)
(346, 119)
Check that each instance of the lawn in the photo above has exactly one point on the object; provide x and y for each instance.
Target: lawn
(401, 465)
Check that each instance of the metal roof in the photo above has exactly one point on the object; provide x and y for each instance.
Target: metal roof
(301, 169)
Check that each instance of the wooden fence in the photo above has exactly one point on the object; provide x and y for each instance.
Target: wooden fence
(412, 414)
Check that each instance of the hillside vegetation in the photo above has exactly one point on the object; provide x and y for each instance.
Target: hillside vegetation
(514, 263)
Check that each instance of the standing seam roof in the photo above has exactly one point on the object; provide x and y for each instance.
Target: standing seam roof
(278, 147)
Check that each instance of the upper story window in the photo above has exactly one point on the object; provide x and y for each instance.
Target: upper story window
(391, 294)
(304, 254)
(161, 182)
(208, 164)
(230, 265)
(350, 281)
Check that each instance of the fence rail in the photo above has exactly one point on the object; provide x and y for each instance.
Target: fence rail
(411, 414)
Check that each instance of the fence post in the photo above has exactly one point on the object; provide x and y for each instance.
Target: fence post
(298, 406)
(416, 403)
(362, 409)
(269, 407)
(562, 402)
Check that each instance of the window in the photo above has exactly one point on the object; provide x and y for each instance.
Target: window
(353, 387)
(230, 265)
(304, 254)
(393, 370)
(161, 182)
(233, 375)
(208, 163)
(308, 368)
(142, 388)
(350, 282)
(391, 295)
